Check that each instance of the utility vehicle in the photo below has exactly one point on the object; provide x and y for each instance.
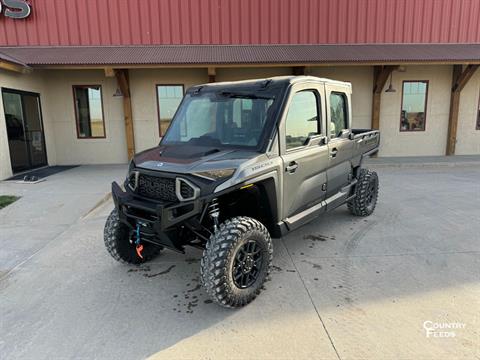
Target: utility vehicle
(243, 162)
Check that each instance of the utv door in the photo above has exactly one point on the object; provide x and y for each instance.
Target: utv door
(340, 146)
(304, 152)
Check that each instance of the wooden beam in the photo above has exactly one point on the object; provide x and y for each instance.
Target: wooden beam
(460, 78)
(124, 85)
(9, 66)
(380, 77)
(212, 74)
(109, 72)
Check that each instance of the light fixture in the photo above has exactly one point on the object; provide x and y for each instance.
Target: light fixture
(390, 87)
(118, 93)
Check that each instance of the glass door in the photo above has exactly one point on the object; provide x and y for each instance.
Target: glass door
(24, 129)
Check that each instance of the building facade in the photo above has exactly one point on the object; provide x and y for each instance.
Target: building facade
(92, 82)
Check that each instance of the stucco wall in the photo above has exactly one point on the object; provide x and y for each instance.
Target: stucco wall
(468, 138)
(33, 82)
(433, 140)
(70, 149)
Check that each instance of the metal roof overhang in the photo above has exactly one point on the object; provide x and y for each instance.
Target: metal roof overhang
(240, 55)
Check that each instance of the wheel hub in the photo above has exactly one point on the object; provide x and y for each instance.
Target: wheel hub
(247, 264)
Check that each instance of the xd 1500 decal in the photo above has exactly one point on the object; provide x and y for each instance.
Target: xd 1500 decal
(15, 9)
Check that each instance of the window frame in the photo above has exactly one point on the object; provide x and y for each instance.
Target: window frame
(158, 105)
(77, 122)
(318, 103)
(346, 109)
(427, 82)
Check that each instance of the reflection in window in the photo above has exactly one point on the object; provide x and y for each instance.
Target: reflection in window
(89, 111)
(169, 97)
(338, 114)
(414, 104)
(302, 119)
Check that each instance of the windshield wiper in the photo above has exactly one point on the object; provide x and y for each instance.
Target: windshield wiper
(243, 95)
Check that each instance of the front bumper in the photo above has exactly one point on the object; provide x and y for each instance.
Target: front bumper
(157, 218)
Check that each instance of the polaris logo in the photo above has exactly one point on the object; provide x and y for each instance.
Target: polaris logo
(15, 9)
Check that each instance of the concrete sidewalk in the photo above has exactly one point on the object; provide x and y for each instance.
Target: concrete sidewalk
(47, 209)
(342, 287)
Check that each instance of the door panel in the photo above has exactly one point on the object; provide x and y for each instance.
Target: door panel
(24, 130)
(340, 146)
(34, 131)
(340, 151)
(17, 143)
(303, 187)
(304, 150)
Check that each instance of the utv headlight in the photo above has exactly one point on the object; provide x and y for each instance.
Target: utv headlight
(216, 175)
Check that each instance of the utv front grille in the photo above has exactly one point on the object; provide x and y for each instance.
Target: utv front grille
(157, 188)
(161, 188)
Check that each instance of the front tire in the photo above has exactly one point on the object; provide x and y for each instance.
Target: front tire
(237, 262)
(117, 236)
(366, 194)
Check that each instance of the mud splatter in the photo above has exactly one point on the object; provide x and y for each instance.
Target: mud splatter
(160, 273)
(314, 237)
(140, 269)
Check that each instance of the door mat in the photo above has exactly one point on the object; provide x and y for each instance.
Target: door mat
(38, 175)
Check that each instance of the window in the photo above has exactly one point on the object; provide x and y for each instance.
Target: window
(414, 105)
(89, 111)
(217, 119)
(302, 119)
(168, 97)
(338, 114)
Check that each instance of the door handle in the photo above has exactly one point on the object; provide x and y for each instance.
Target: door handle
(333, 152)
(292, 167)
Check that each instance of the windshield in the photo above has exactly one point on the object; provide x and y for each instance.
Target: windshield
(220, 119)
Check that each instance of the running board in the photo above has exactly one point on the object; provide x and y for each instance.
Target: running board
(329, 204)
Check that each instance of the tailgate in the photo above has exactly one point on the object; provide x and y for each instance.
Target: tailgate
(366, 141)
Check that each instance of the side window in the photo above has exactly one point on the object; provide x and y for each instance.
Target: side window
(168, 97)
(89, 111)
(338, 114)
(302, 119)
(414, 105)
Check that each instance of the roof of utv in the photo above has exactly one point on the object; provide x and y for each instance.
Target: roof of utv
(266, 83)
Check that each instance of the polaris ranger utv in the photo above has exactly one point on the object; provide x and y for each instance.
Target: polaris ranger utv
(240, 163)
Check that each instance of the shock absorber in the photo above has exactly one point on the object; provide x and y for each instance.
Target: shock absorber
(214, 213)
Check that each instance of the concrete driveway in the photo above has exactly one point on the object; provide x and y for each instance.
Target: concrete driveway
(342, 287)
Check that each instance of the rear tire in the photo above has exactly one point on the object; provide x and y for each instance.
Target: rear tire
(236, 262)
(117, 236)
(366, 194)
